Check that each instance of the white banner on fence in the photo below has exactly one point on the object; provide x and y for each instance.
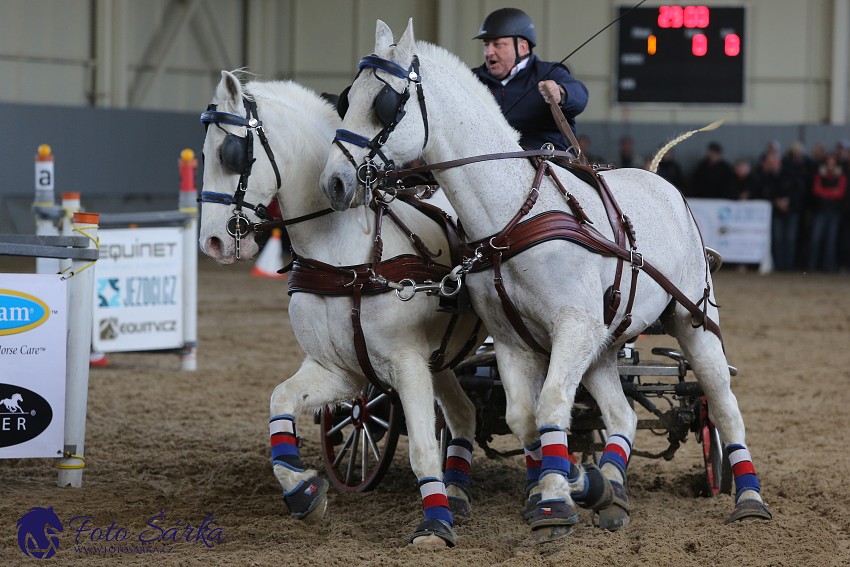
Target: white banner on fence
(33, 344)
(739, 230)
(139, 290)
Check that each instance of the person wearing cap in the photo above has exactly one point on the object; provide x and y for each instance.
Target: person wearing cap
(713, 175)
(517, 78)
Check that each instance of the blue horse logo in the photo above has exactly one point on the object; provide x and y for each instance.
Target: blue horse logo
(38, 533)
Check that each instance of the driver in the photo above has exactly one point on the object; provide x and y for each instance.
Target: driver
(510, 69)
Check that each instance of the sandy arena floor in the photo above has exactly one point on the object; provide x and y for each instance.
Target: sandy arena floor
(191, 445)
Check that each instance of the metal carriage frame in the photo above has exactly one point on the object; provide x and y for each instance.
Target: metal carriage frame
(359, 437)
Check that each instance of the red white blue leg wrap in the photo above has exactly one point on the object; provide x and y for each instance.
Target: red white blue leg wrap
(556, 455)
(434, 500)
(284, 442)
(742, 469)
(617, 451)
(533, 463)
(459, 463)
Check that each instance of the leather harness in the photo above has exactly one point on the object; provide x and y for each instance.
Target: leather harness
(519, 235)
(312, 276)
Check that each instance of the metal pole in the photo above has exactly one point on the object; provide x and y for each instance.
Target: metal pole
(80, 305)
(188, 204)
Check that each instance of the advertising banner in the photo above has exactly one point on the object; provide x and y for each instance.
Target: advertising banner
(33, 344)
(739, 230)
(138, 302)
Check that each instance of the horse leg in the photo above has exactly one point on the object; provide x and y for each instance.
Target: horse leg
(460, 418)
(522, 373)
(603, 382)
(704, 352)
(413, 381)
(576, 342)
(313, 386)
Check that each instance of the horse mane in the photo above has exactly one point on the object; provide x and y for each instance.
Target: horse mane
(452, 62)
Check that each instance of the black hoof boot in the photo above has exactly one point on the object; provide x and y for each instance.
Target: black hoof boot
(599, 494)
(553, 519)
(750, 509)
(531, 502)
(615, 516)
(434, 533)
(309, 496)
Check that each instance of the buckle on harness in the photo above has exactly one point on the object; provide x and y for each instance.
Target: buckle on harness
(633, 254)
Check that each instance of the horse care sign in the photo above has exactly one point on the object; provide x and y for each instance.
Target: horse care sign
(139, 290)
(33, 342)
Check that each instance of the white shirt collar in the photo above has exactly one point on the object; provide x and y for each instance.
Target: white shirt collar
(517, 68)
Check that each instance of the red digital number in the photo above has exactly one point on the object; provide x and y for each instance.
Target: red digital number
(695, 17)
(732, 45)
(699, 45)
(670, 16)
(689, 16)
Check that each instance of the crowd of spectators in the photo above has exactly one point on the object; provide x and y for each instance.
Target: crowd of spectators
(808, 192)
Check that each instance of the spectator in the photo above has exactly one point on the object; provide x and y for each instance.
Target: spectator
(787, 204)
(842, 150)
(669, 169)
(829, 192)
(627, 156)
(713, 175)
(743, 186)
(818, 154)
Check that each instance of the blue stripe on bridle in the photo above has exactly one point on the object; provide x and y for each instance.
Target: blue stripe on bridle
(390, 67)
(213, 197)
(352, 138)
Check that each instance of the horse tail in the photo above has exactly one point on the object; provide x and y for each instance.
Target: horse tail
(653, 165)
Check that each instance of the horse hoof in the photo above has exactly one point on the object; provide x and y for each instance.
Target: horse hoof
(433, 533)
(460, 508)
(552, 533)
(308, 501)
(750, 509)
(599, 494)
(554, 514)
(615, 516)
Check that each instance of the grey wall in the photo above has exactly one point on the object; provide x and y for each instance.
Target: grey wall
(118, 160)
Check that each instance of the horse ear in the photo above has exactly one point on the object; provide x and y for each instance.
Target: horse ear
(406, 43)
(229, 89)
(383, 37)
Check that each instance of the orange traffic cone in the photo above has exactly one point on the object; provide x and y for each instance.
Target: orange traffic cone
(270, 259)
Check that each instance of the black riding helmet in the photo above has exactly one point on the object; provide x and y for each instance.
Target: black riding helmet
(508, 22)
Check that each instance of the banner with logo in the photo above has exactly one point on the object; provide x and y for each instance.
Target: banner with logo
(739, 230)
(33, 343)
(139, 290)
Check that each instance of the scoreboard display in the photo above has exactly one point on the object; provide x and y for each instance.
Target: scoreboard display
(681, 54)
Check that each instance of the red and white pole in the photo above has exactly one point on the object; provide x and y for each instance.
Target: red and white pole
(188, 204)
(44, 200)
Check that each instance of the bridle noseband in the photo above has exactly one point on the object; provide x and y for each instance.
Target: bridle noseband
(237, 155)
(389, 109)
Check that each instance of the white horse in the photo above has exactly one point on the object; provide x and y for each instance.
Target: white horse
(555, 286)
(399, 338)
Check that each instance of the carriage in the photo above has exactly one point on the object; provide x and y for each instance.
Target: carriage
(359, 437)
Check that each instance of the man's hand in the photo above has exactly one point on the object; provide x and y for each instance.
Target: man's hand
(553, 89)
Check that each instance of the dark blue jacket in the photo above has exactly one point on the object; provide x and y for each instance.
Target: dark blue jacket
(531, 115)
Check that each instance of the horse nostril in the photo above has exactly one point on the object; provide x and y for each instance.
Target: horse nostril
(336, 190)
(214, 247)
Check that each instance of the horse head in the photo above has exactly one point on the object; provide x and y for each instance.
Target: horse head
(231, 205)
(385, 103)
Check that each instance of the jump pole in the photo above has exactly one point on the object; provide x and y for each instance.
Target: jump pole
(188, 204)
(44, 206)
(80, 306)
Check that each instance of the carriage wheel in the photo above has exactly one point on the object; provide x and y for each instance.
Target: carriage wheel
(718, 470)
(359, 439)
